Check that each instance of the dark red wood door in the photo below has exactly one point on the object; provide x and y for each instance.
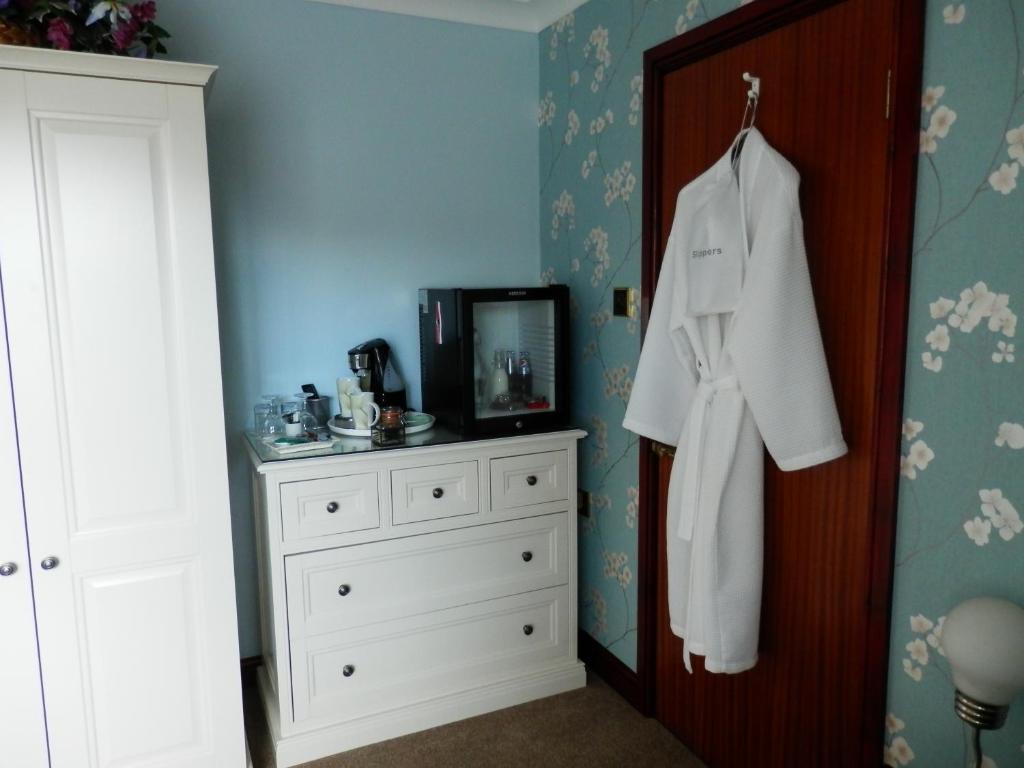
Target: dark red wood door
(827, 74)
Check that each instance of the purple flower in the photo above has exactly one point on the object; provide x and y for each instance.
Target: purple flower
(124, 34)
(145, 11)
(59, 34)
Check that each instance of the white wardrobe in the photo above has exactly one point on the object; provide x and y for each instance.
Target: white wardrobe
(118, 637)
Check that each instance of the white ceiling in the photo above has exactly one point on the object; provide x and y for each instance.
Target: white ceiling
(525, 15)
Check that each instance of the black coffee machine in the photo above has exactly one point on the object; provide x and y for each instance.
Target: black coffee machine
(371, 362)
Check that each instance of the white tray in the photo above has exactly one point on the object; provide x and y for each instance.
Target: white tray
(348, 432)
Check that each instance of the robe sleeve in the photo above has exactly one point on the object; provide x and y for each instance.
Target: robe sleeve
(777, 349)
(665, 380)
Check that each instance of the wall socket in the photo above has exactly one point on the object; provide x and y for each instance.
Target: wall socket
(624, 302)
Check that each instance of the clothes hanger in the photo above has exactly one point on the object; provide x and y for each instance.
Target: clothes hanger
(753, 97)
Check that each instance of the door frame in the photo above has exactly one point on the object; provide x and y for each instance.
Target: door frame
(906, 58)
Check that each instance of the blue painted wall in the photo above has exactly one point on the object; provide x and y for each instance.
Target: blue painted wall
(355, 157)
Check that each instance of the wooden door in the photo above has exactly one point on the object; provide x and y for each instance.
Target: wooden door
(839, 99)
(107, 265)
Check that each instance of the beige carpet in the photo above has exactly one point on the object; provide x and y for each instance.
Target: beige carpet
(592, 728)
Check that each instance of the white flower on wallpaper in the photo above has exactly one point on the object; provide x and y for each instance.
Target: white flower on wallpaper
(546, 110)
(599, 610)
(1004, 353)
(600, 318)
(633, 507)
(893, 724)
(928, 634)
(978, 530)
(681, 24)
(938, 338)
(597, 51)
(600, 437)
(589, 163)
(1001, 513)
(931, 97)
(589, 350)
(547, 277)
(1010, 434)
(619, 184)
(1004, 179)
(933, 364)
(917, 459)
(898, 753)
(563, 210)
(572, 127)
(618, 383)
(574, 265)
(616, 566)
(599, 123)
(954, 14)
(911, 428)
(636, 87)
(1015, 143)
(564, 28)
(596, 248)
(940, 121)
(976, 304)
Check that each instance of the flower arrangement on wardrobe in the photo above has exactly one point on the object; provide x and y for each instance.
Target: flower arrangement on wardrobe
(115, 27)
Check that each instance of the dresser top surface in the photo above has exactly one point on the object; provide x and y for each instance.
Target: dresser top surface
(262, 455)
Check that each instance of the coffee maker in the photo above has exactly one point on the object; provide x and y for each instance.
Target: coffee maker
(372, 364)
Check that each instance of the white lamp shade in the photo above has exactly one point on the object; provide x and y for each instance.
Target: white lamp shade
(983, 638)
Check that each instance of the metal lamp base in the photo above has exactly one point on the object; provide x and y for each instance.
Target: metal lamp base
(988, 717)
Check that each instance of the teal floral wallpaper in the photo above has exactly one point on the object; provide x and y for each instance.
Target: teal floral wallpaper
(960, 533)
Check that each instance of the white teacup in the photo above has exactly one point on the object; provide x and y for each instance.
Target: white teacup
(365, 412)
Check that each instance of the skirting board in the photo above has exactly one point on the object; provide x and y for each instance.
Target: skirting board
(304, 747)
(609, 668)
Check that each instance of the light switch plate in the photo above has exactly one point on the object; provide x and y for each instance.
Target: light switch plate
(624, 302)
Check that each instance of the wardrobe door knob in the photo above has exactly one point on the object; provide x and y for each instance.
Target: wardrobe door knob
(438, 493)
(348, 670)
(344, 589)
(527, 556)
(531, 480)
(332, 507)
(8, 569)
(49, 563)
(527, 629)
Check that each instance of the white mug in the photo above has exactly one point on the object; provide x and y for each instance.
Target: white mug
(346, 388)
(362, 407)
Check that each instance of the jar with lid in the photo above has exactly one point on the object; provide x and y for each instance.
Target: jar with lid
(390, 428)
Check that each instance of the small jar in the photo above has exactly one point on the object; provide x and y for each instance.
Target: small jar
(390, 428)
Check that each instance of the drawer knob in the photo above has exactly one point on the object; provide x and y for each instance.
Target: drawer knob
(348, 670)
(8, 569)
(527, 629)
(344, 589)
(332, 507)
(527, 556)
(438, 493)
(49, 563)
(531, 480)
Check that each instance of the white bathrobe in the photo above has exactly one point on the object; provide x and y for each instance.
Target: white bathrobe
(732, 361)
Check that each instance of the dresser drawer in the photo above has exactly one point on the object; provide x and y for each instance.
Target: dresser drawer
(359, 672)
(330, 505)
(354, 586)
(430, 493)
(535, 478)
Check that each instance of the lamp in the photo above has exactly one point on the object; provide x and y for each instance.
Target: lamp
(983, 638)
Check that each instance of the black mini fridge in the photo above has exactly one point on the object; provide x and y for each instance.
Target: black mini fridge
(494, 361)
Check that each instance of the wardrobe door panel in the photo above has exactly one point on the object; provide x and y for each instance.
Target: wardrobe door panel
(116, 373)
(22, 730)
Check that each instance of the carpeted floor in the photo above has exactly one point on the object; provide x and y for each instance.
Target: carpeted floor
(591, 728)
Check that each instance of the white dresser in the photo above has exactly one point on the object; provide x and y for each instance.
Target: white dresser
(401, 589)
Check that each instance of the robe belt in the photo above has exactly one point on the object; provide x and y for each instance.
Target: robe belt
(696, 424)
